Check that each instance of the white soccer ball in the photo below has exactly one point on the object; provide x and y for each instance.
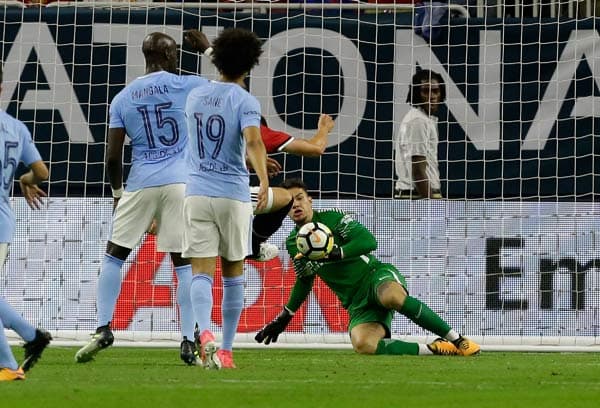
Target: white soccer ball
(314, 240)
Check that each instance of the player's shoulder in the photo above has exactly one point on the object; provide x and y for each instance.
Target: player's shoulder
(204, 86)
(10, 122)
(330, 214)
(291, 238)
(334, 211)
(6, 118)
(274, 140)
(189, 80)
(334, 217)
(237, 91)
(119, 96)
(267, 132)
(245, 96)
(248, 104)
(416, 115)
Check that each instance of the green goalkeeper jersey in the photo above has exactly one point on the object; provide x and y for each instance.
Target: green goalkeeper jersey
(344, 277)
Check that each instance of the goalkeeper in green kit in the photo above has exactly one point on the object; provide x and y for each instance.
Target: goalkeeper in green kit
(371, 291)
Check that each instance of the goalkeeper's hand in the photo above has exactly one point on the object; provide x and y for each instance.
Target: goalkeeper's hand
(271, 331)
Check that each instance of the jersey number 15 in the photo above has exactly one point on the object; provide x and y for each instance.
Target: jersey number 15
(161, 122)
(7, 169)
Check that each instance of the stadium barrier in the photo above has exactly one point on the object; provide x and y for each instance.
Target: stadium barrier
(506, 273)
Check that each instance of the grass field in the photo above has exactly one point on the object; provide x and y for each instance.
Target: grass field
(273, 378)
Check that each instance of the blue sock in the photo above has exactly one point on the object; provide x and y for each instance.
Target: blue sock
(109, 286)
(231, 307)
(7, 359)
(186, 312)
(13, 320)
(202, 300)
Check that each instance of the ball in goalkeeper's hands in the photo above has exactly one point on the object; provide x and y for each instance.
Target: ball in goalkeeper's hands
(314, 240)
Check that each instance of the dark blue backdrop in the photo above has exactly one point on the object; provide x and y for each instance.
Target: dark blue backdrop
(362, 166)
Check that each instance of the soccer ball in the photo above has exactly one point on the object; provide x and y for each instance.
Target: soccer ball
(314, 240)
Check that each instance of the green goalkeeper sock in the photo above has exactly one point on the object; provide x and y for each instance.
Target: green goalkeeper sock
(397, 347)
(422, 315)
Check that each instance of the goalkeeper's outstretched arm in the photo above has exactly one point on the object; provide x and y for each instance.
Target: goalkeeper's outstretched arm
(357, 239)
(271, 331)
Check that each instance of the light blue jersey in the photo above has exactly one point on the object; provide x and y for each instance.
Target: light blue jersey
(217, 114)
(16, 146)
(151, 110)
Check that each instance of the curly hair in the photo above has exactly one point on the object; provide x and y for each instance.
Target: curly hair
(236, 51)
(414, 94)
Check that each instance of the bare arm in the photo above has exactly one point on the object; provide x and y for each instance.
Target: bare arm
(257, 155)
(419, 174)
(273, 166)
(114, 157)
(38, 172)
(316, 145)
(114, 160)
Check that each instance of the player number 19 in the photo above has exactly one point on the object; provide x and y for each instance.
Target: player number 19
(214, 130)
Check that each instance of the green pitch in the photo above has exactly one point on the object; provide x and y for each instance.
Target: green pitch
(269, 378)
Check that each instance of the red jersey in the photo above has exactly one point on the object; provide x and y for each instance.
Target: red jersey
(274, 140)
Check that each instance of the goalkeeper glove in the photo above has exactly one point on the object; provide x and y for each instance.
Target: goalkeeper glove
(271, 331)
(335, 254)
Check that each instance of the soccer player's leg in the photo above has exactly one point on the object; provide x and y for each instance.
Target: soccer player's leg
(134, 213)
(201, 245)
(234, 247)
(268, 222)
(231, 307)
(109, 287)
(9, 369)
(170, 223)
(36, 340)
(390, 289)
(370, 331)
(35, 348)
(101, 339)
(183, 270)
(188, 353)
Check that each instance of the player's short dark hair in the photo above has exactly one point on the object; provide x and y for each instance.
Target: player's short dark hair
(293, 183)
(414, 94)
(236, 51)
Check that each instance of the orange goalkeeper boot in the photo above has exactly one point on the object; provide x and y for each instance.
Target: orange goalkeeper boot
(467, 347)
(443, 347)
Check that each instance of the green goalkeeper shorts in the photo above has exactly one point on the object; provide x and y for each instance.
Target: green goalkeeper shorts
(365, 306)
